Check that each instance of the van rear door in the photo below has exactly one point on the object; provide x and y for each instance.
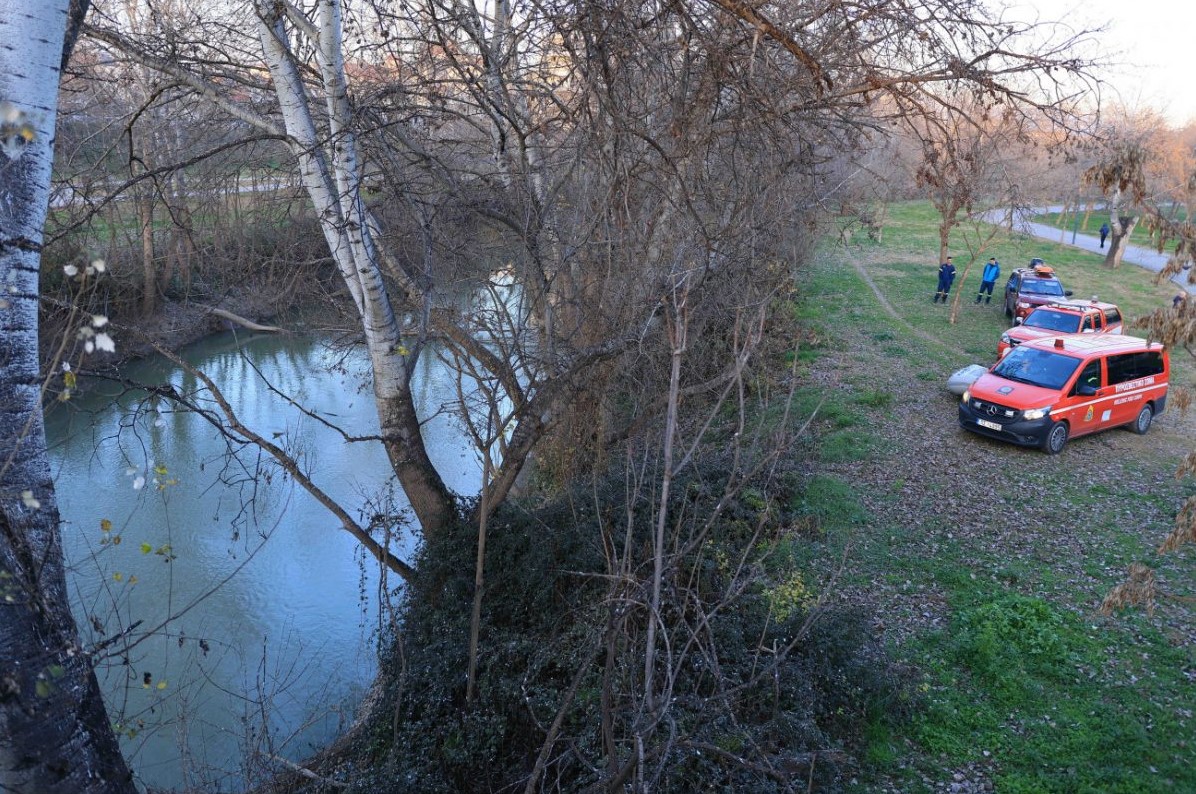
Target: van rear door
(1133, 379)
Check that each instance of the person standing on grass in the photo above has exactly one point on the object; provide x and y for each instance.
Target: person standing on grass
(992, 272)
(1104, 232)
(946, 276)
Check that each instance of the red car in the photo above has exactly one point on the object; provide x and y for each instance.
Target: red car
(1062, 317)
(1029, 287)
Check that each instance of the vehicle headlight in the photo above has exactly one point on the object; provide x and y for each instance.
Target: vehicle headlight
(1023, 305)
(1005, 338)
(1036, 413)
(967, 395)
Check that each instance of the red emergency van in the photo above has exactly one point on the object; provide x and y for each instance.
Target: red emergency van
(1046, 391)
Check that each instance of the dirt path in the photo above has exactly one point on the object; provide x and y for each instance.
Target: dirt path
(888, 307)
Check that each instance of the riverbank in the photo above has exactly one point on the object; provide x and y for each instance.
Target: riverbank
(177, 324)
(981, 566)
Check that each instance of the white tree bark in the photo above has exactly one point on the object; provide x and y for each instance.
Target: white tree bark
(332, 176)
(54, 732)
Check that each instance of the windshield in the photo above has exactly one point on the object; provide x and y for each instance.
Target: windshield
(1038, 286)
(1053, 321)
(1043, 368)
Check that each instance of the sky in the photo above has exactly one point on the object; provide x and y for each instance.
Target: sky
(1153, 41)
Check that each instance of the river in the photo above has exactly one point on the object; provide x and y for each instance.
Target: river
(275, 611)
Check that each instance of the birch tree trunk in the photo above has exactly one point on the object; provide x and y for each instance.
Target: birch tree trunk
(332, 176)
(54, 732)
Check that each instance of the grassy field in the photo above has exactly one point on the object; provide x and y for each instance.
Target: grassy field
(986, 563)
(1067, 224)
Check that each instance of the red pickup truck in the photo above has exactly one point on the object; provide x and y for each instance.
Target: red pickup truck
(1062, 317)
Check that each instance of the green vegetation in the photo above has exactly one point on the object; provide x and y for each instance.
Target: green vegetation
(1067, 223)
(1025, 685)
(546, 621)
(1052, 702)
(904, 271)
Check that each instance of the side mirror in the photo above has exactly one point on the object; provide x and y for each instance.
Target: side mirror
(1084, 390)
(1068, 292)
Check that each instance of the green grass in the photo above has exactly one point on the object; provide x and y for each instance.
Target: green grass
(905, 268)
(875, 398)
(1021, 678)
(1053, 700)
(846, 445)
(832, 502)
(1067, 223)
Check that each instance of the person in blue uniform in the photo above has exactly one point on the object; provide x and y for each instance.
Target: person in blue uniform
(992, 272)
(946, 276)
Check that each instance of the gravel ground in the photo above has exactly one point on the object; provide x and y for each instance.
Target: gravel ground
(1056, 527)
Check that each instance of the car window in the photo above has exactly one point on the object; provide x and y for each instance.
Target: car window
(1112, 316)
(1149, 362)
(1120, 368)
(1087, 323)
(1053, 320)
(1043, 368)
(1131, 366)
(1098, 321)
(1040, 286)
(1090, 376)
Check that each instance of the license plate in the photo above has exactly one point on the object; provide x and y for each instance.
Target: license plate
(988, 424)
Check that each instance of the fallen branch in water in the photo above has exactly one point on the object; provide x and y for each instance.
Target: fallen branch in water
(239, 320)
(307, 773)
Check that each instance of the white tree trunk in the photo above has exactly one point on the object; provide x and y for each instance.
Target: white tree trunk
(54, 732)
(332, 176)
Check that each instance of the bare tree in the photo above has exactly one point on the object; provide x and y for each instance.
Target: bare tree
(1120, 174)
(647, 177)
(1175, 327)
(964, 166)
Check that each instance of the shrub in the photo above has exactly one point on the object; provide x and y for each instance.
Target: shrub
(749, 691)
(1007, 642)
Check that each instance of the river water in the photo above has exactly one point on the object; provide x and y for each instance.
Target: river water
(255, 617)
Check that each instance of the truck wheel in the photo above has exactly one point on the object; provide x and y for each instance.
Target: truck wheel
(1145, 417)
(1056, 439)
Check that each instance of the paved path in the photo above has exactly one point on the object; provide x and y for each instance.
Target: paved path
(1134, 254)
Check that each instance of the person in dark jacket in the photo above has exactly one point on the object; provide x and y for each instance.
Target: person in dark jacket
(992, 272)
(1104, 232)
(946, 276)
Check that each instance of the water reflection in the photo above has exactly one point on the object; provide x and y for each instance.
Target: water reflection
(275, 607)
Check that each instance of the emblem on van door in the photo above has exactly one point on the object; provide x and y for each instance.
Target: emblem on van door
(1088, 416)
